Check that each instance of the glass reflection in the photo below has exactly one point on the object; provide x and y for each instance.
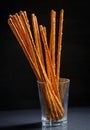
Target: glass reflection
(55, 128)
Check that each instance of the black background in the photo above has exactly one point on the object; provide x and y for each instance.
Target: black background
(18, 86)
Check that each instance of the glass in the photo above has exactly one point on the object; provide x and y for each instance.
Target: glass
(54, 109)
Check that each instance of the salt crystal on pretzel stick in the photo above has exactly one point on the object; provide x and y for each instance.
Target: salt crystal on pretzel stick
(59, 45)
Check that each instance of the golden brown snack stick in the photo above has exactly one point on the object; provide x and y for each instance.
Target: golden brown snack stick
(46, 57)
(37, 77)
(20, 40)
(24, 22)
(53, 37)
(21, 28)
(54, 84)
(49, 99)
(28, 27)
(53, 111)
(47, 95)
(59, 45)
(55, 91)
(53, 105)
(56, 105)
(27, 40)
(30, 35)
(31, 42)
(37, 37)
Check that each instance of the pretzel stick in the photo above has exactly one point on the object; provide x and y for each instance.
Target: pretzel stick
(45, 44)
(47, 65)
(48, 71)
(42, 70)
(29, 46)
(32, 44)
(37, 45)
(37, 37)
(21, 28)
(37, 77)
(52, 37)
(30, 35)
(59, 45)
(24, 22)
(49, 61)
(44, 75)
(39, 60)
(45, 96)
(47, 101)
(28, 27)
(35, 33)
(23, 33)
(45, 93)
(52, 114)
(57, 102)
(46, 56)
(19, 21)
(36, 54)
(20, 40)
(54, 110)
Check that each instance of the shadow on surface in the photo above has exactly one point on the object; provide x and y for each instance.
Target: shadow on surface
(33, 126)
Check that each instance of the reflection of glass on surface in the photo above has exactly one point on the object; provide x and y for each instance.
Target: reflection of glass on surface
(55, 128)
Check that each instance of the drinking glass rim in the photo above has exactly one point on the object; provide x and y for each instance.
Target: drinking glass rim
(62, 80)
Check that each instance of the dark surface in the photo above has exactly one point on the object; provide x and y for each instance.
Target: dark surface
(78, 119)
(18, 87)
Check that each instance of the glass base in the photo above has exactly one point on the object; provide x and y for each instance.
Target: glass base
(54, 123)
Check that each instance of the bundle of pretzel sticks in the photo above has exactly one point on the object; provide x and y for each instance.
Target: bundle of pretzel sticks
(43, 56)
